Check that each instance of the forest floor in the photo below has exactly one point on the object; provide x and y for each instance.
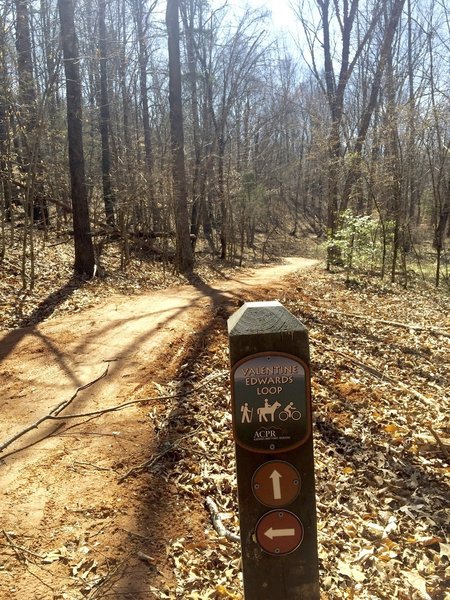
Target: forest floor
(111, 503)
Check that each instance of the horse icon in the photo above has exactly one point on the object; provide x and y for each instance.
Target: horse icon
(268, 409)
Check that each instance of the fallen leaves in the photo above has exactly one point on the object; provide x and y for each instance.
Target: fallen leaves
(381, 478)
(381, 474)
(354, 573)
(417, 582)
(82, 569)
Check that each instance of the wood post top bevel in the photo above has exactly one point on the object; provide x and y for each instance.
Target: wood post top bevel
(262, 318)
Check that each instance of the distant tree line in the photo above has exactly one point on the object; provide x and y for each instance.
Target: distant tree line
(162, 124)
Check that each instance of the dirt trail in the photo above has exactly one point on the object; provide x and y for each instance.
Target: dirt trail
(63, 492)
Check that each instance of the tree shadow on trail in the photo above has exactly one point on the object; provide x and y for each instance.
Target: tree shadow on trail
(42, 312)
(218, 297)
(159, 509)
(48, 306)
(227, 300)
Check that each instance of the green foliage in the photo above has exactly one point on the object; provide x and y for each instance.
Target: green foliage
(361, 241)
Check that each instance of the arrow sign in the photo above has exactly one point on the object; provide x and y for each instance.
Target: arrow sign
(275, 477)
(273, 533)
(266, 483)
(279, 532)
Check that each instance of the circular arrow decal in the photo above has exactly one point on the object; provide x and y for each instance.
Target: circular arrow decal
(276, 483)
(279, 532)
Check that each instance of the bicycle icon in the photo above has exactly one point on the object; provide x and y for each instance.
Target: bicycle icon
(295, 415)
(290, 412)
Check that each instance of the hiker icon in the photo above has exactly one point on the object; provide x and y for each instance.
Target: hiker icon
(247, 413)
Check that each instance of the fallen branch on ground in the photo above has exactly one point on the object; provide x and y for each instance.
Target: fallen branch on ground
(31, 444)
(217, 521)
(154, 459)
(433, 330)
(376, 373)
(105, 583)
(102, 411)
(397, 384)
(440, 443)
(146, 558)
(20, 549)
(53, 413)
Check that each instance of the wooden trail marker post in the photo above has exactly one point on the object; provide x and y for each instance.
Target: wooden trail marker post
(271, 406)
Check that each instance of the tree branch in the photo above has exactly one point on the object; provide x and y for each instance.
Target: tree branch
(154, 459)
(433, 330)
(217, 521)
(53, 413)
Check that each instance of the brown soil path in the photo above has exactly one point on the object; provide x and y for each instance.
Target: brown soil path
(61, 494)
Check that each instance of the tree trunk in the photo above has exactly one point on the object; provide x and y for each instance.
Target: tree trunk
(184, 260)
(105, 119)
(5, 173)
(222, 198)
(197, 200)
(84, 249)
(141, 26)
(27, 88)
(392, 21)
(30, 155)
(394, 167)
(413, 177)
(441, 231)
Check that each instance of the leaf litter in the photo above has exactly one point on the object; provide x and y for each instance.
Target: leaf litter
(381, 475)
(382, 442)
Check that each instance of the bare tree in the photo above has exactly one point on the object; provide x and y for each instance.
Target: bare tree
(345, 16)
(5, 169)
(184, 259)
(105, 118)
(84, 249)
(142, 14)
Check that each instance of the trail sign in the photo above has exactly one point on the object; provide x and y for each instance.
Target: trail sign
(271, 411)
(271, 402)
